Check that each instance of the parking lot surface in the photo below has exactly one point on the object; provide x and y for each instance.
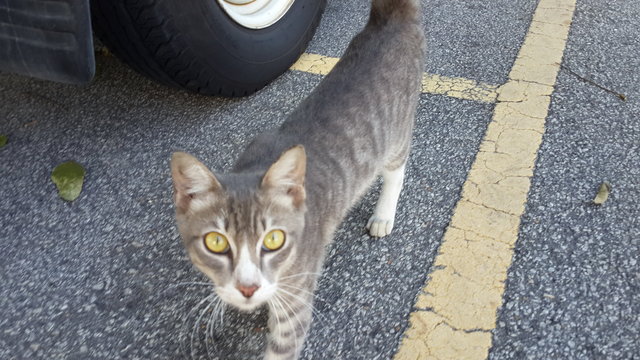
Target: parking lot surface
(106, 277)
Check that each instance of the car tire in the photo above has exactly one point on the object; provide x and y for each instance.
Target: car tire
(196, 45)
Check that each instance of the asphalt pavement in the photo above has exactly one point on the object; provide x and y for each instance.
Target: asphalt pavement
(574, 287)
(106, 277)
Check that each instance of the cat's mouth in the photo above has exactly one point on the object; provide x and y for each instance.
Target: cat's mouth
(235, 298)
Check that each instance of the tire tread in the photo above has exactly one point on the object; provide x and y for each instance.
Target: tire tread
(147, 41)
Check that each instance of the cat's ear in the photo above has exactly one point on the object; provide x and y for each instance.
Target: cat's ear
(190, 179)
(286, 176)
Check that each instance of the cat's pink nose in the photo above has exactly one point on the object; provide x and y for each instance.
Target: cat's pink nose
(247, 291)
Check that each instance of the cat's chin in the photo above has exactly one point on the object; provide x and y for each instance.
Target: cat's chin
(249, 306)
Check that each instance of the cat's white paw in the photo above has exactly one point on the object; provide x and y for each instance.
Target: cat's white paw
(379, 227)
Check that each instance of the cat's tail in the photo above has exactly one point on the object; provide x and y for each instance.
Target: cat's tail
(398, 10)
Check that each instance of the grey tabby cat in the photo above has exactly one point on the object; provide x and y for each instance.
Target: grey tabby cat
(260, 232)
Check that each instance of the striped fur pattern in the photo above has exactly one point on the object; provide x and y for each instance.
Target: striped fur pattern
(303, 177)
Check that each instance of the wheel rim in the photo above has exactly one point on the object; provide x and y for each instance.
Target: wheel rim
(256, 14)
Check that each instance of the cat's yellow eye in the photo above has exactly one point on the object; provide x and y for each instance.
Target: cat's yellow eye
(273, 241)
(216, 243)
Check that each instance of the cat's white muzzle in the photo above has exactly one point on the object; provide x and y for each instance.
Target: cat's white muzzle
(231, 295)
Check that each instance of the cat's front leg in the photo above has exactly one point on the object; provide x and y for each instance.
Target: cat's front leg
(290, 315)
(381, 222)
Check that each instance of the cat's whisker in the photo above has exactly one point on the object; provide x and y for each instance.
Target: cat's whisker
(223, 308)
(301, 274)
(298, 297)
(278, 307)
(308, 304)
(272, 307)
(275, 310)
(194, 332)
(206, 335)
(219, 313)
(314, 311)
(282, 301)
(311, 293)
(304, 302)
(211, 321)
(304, 328)
(186, 319)
(321, 277)
(209, 329)
(304, 291)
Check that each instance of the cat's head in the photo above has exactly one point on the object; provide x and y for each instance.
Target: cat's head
(242, 230)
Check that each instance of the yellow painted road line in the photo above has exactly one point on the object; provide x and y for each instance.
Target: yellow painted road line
(315, 64)
(456, 310)
(459, 88)
(431, 84)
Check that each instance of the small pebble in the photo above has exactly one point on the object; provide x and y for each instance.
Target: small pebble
(98, 286)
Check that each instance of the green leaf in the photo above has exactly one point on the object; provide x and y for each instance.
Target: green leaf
(68, 178)
(603, 193)
(3, 140)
